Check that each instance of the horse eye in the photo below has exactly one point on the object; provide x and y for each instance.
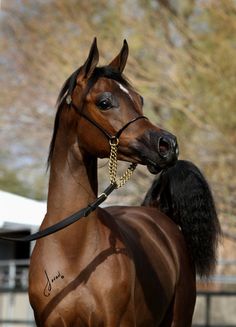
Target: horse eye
(105, 101)
(105, 104)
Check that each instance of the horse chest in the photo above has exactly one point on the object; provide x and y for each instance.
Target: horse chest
(90, 288)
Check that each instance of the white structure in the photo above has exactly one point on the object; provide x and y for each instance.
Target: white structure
(25, 216)
(19, 213)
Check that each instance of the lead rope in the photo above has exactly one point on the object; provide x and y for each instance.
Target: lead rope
(112, 166)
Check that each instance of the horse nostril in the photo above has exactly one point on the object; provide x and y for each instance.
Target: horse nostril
(168, 147)
(164, 146)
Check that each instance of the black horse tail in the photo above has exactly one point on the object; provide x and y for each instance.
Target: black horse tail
(183, 194)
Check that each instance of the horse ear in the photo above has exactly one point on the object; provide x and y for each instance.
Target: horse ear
(120, 61)
(91, 62)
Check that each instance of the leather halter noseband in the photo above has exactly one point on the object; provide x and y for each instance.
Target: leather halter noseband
(113, 140)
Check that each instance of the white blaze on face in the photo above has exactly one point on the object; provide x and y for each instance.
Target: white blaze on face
(125, 90)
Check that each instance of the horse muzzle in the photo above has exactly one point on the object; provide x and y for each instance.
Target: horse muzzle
(157, 150)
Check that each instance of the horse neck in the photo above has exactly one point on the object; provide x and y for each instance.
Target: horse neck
(73, 179)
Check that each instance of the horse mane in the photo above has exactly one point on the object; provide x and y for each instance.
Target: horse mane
(183, 194)
(68, 87)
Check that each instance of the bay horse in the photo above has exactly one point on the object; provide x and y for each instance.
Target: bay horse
(120, 266)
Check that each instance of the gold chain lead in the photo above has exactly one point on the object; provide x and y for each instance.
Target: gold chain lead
(113, 167)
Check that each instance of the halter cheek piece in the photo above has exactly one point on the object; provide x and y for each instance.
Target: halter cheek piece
(114, 183)
(110, 137)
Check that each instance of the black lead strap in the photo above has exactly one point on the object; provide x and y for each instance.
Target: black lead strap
(9, 236)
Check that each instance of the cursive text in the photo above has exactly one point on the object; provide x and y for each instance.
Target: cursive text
(49, 282)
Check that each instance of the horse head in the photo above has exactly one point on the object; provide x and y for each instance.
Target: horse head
(105, 108)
